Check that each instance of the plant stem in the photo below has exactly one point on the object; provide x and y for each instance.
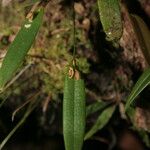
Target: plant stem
(74, 32)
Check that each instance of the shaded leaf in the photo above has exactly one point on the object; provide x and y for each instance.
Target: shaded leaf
(142, 82)
(131, 113)
(102, 120)
(97, 106)
(143, 35)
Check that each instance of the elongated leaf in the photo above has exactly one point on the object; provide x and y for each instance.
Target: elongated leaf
(102, 120)
(97, 106)
(19, 48)
(74, 113)
(143, 35)
(110, 17)
(68, 112)
(143, 81)
(79, 114)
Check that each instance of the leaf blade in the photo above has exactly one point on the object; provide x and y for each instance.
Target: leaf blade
(74, 112)
(19, 48)
(143, 35)
(97, 106)
(79, 114)
(110, 17)
(102, 120)
(68, 116)
(142, 82)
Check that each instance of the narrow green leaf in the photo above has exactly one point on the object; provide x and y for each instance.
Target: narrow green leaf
(143, 35)
(142, 82)
(74, 113)
(79, 114)
(110, 17)
(68, 113)
(102, 120)
(97, 106)
(19, 48)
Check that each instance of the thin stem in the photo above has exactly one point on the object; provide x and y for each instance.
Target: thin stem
(23, 105)
(30, 108)
(16, 77)
(74, 31)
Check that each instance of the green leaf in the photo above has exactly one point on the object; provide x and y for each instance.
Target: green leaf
(131, 113)
(102, 120)
(110, 17)
(97, 106)
(143, 35)
(79, 114)
(142, 82)
(68, 112)
(19, 48)
(74, 113)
